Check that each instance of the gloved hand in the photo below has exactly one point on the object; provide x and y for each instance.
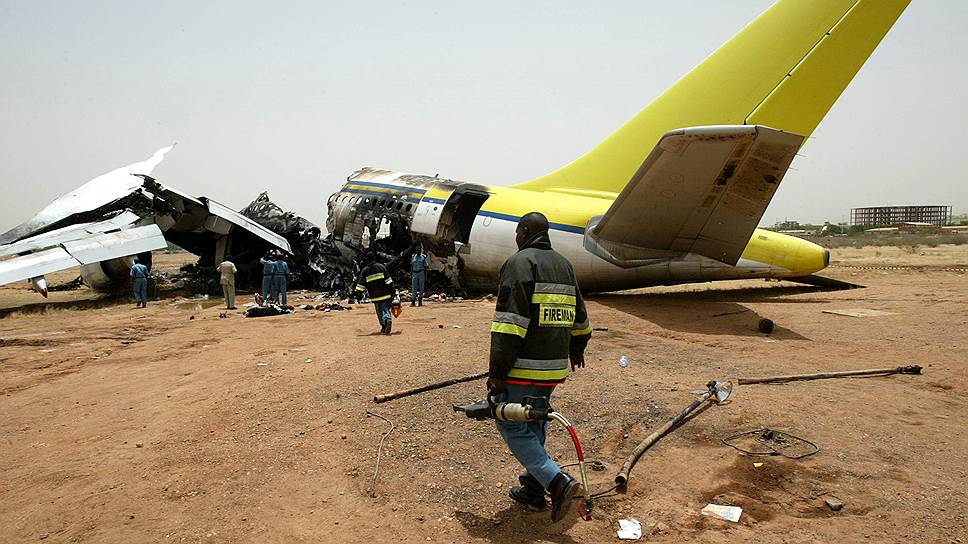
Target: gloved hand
(495, 386)
(577, 361)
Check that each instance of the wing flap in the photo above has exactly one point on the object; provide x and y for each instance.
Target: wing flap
(35, 264)
(112, 245)
(67, 234)
(702, 190)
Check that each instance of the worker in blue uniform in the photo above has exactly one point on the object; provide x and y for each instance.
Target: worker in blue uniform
(280, 279)
(139, 275)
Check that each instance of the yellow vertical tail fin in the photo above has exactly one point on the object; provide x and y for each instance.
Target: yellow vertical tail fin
(784, 70)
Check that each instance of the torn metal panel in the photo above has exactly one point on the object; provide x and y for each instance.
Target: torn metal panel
(102, 190)
(240, 220)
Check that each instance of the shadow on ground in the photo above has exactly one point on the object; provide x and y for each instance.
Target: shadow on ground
(515, 524)
(716, 311)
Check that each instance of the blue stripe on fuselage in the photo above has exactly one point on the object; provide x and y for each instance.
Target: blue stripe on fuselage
(515, 219)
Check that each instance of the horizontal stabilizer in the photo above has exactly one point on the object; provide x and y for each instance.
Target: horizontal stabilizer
(702, 190)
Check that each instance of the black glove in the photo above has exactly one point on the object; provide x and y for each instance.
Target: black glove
(495, 386)
(577, 360)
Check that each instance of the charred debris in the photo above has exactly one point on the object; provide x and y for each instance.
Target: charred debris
(320, 262)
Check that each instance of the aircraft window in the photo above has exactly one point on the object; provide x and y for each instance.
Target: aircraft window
(409, 207)
(399, 205)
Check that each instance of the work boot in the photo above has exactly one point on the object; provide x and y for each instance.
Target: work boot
(528, 498)
(562, 489)
(412, 304)
(420, 302)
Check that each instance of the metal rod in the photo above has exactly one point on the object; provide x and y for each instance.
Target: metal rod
(912, 369)
(425, 388)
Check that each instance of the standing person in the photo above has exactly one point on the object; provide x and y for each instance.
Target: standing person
(375, 280)
(140, 274)
(268, 271)
(540, 323)
(228, 271)
(280, 279)
(418, 276)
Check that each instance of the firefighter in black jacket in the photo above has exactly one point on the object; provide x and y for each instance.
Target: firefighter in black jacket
(539, 325)
(376, 281)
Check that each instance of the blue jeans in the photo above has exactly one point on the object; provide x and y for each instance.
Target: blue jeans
(141, 290)
(279, 288)
(417, 282)
(526, 440)
(383, 311)
(266, 287)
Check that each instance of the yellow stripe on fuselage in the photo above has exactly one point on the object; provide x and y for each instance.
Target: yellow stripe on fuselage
(403, 190)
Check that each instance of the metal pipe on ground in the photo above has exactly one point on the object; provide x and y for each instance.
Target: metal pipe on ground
(911, 369)
(425, 388)
(716, 391)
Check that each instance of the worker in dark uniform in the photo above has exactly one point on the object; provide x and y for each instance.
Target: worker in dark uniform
(540, 324)
(376, 281)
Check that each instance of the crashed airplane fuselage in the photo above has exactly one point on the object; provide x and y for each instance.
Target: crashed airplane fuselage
(676, 193)
(468, 229)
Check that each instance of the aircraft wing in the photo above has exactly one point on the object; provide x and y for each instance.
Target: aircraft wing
(701, 190)
(89, 197)
(91, 249)
(68, 234)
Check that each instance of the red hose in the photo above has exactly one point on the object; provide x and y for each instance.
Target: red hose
(574, 438)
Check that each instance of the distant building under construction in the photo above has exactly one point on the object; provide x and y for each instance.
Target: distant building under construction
(879, 216)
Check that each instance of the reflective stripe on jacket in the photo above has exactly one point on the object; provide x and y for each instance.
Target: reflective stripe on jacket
(540, 317)
(375, 280)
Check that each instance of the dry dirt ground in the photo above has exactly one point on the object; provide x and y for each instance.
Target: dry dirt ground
(127, 425)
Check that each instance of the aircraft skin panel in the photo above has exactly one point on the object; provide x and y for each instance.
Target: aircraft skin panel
(69, 233)
(746, 80)
(35, 264)
(101, 190)
(112, 245)
(244, 222)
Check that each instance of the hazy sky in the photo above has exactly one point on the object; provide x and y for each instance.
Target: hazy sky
(293, 97)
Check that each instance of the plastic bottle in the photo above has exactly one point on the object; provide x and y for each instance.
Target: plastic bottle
(623, 362)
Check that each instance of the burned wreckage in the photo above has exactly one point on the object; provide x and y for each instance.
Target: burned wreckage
(124, 214)
(389, 213)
